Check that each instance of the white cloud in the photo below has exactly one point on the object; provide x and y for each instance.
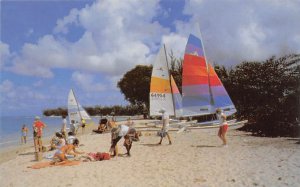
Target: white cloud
(121, 34)
(233, 31)
(117, 36)
(87, 82)
(4, 54)
(19, 95)
(6, 86)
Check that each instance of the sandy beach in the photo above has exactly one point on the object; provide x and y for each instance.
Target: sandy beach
(196, 158)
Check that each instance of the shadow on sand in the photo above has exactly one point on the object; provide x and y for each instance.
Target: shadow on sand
(151, 144)
(203, 146)
(28, 153)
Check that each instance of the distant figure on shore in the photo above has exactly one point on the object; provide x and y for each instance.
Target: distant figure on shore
(82, 124)
(129, 122)
(103, 126)
(223, 126)
(24, 132)
(72, 126)
(165, 126)
(38, 127)
(69, 149)
(64, 125)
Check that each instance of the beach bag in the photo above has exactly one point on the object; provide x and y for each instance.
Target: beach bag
(161, 133)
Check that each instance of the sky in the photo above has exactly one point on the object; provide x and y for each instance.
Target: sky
(49, 47)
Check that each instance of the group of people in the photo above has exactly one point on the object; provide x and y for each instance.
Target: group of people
(67, 143)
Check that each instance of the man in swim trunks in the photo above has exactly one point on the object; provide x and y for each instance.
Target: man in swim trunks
(38, 127)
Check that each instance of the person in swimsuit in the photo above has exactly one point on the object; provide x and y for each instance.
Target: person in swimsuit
(69, 149)
(223, 126)
(24, 132)
(38, 127)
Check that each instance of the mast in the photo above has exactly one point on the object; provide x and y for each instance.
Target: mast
(170, 81)
(207, 69)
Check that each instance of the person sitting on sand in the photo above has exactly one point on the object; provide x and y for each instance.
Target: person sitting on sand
(69, 149)
(223, 126)
(165, 126)
(71, 138)
(57, 141)
(102, 126)
(24, 132)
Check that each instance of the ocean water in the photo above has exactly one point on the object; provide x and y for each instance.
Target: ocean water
(10, 128)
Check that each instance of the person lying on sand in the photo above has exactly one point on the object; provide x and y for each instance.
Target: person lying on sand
(60, 154)
(98, 156)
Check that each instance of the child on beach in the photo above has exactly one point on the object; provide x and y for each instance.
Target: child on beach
(70, 149)
(223, 126)
(24, 132)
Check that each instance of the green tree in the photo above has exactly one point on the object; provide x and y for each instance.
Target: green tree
(267, 94)
(135, 85)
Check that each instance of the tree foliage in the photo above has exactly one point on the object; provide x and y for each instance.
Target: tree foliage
(135, 85)
(267, 94)
(100, 111)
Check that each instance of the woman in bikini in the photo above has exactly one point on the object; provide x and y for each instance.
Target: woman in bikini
(67, 149)
(223, 126)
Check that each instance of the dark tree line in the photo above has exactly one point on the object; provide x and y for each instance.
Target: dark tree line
(129, 110)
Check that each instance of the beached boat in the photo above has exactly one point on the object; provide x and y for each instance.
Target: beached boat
(202, 90)
(75, 111)
(164, 92)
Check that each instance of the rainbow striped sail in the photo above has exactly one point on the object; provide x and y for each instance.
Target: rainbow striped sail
(202, 90)
(163, 89)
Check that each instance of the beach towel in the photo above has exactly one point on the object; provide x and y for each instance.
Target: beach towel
(50, 164)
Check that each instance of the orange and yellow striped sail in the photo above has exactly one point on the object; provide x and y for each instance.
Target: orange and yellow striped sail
(160, 87)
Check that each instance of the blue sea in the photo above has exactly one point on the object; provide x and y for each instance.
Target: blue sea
(10, 128)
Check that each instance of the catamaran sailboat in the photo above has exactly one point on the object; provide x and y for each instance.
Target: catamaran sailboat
(75, 111)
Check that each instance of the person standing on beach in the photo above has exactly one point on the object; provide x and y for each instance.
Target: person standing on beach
(24, 134)
(223, 126)
(165, 126)
(72, 126)
(64, 125)
(83, 124)
(38, 126)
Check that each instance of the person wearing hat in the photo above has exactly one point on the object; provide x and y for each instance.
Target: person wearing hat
(165, 126)
(38, 126)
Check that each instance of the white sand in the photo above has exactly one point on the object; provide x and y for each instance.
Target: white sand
(194, 159)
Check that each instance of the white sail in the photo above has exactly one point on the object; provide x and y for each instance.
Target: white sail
(160, 87)
(75, 111)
